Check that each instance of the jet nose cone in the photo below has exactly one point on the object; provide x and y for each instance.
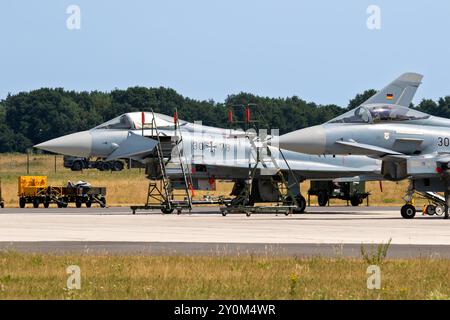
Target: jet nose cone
(309, 140)
(76, 144)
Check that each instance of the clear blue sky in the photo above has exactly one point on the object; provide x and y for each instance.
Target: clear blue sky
(320, 50)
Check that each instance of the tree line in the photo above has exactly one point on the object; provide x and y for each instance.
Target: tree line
(28, 118)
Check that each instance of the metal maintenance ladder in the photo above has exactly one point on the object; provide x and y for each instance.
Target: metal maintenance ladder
(186, 170)
(284, 183)
(288, 195)
(160, 189)
(241, 202)
(161, 192)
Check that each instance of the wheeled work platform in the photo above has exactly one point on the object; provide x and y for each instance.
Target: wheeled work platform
(34, 189)
(249, 210)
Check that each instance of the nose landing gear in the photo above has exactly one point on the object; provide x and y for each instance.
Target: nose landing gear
(437, 204)
(408, 211)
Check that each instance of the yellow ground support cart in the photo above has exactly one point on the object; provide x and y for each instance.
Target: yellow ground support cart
(35, 190)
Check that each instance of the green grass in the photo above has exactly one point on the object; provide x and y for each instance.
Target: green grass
(43, 276)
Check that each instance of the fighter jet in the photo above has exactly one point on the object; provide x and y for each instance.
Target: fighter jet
(411, 144)
(210, 153)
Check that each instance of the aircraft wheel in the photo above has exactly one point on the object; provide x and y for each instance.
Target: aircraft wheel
(322, 198)
(248, 213)
(117, 166)
(355, 201)
(46, 204)
(408, 211)
(60, 205)
(301, 201)
(439, 210)
(35, 203)
(22, 202)
(78, 203)
(430, 209)
(77, 166)
(224, 213)
(166, 210)
(105, 166)
(88, 204)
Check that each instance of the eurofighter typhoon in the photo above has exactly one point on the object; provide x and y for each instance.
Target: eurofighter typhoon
(411, 144)
(210, 153)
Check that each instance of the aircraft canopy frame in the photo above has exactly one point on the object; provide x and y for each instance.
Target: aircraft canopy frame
(133, 121)
(379, 113)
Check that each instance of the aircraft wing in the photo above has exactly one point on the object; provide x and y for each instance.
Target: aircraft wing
(366, 149)
(134, 146)
(308, 168)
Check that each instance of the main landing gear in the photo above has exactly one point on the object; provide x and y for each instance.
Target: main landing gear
(438, 204)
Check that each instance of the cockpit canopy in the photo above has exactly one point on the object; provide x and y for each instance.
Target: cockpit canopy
(376, 113)
(133, 121)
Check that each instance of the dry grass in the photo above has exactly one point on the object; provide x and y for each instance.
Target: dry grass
(130, 186)
(36, 276)
(125, 187)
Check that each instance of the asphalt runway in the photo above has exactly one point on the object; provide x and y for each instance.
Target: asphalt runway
(327, 231)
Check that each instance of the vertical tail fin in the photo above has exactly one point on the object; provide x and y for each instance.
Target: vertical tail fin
(401, 91)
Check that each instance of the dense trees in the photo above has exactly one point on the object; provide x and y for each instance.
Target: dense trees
(28, 118)
(360, 98)
(441, 108)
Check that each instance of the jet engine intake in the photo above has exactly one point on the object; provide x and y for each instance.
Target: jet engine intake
(394, 170)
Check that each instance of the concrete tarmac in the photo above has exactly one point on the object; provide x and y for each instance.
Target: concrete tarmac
(325, 231)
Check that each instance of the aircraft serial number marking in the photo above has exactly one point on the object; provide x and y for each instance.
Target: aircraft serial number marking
(204, 145)
(443, 142)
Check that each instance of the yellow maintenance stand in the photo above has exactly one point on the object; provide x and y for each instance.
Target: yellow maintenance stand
(32, 189)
